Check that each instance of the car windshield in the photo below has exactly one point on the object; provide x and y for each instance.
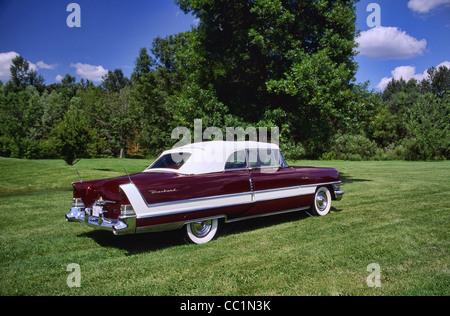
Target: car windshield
(170, 161)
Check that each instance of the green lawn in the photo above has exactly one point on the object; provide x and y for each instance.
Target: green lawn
(394, 214)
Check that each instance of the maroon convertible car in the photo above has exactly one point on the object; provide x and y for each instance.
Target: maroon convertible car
(195, 186)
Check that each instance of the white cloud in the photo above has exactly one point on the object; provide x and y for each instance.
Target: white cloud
(445, 63)
(32, 66)
(5, 64)
(6, 61)
(91, 72)
(407, 73)
(59, 78)
(42, 65)
(383, 83)
(424, 6)
(382, 43)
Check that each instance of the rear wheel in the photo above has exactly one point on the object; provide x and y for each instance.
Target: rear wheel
(322, 202)
(201, 232)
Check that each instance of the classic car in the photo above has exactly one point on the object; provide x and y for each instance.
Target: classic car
(197, 185)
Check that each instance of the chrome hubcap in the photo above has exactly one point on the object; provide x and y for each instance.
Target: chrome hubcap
(321, 201)
(201, 229)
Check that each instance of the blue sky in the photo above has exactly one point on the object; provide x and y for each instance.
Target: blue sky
(110, 36)
(413, 35)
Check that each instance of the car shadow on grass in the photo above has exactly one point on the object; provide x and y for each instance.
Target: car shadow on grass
(143, 243)
(346, 179)
(265, 222)
(136, 244)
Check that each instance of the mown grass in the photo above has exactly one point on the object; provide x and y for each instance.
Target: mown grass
(395, 214)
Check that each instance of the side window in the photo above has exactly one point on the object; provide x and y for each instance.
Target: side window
(236, 160)
(283, 162)
(264, 158)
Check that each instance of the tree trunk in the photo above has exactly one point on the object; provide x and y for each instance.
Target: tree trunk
(122, 151)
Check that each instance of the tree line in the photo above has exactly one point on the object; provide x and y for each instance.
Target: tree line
(248, 63)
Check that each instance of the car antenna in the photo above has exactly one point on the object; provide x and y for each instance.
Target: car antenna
(126, 172)
(78, 173)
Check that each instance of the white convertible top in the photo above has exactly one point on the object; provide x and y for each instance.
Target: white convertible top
(207, 157)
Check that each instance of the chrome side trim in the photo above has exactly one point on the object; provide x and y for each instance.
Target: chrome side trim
(206, 198)
(267, 214)
(159, 228)
(145, 210)
(173, 226)
(199, 209)
(281, 193)
(236, 169)
(320, 184)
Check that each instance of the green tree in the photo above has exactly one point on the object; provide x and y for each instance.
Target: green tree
(73, 135)
(160, 90)
(143, 64)
(197, 103)
(20, 121)
(428, 126)
(22, 75)
(53, 110)
(154, 118)
(262, 55)
(69, 85)
(172, 63)
(119, 121)
(438, 81)
(114, 81)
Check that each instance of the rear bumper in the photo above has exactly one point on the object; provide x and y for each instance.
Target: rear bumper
(122, 226)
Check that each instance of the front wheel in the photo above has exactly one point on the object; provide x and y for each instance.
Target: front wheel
(322, 202)
(201, 232)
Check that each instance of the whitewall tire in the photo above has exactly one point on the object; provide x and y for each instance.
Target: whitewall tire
(322, 202)
(201, 232)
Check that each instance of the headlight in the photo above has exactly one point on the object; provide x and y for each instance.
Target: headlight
(336, 186)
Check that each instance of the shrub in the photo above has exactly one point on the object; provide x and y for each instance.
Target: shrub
(429, 129)
(351, 147)
(293, 151)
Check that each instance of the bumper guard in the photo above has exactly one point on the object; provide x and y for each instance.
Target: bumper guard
(339, 194)
(123, 226)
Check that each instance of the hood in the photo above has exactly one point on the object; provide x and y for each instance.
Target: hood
(311, 175)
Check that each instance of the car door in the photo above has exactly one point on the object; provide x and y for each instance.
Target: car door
(275, 187)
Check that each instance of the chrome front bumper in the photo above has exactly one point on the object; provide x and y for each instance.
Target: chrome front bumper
(339, 194)
(122, 226)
